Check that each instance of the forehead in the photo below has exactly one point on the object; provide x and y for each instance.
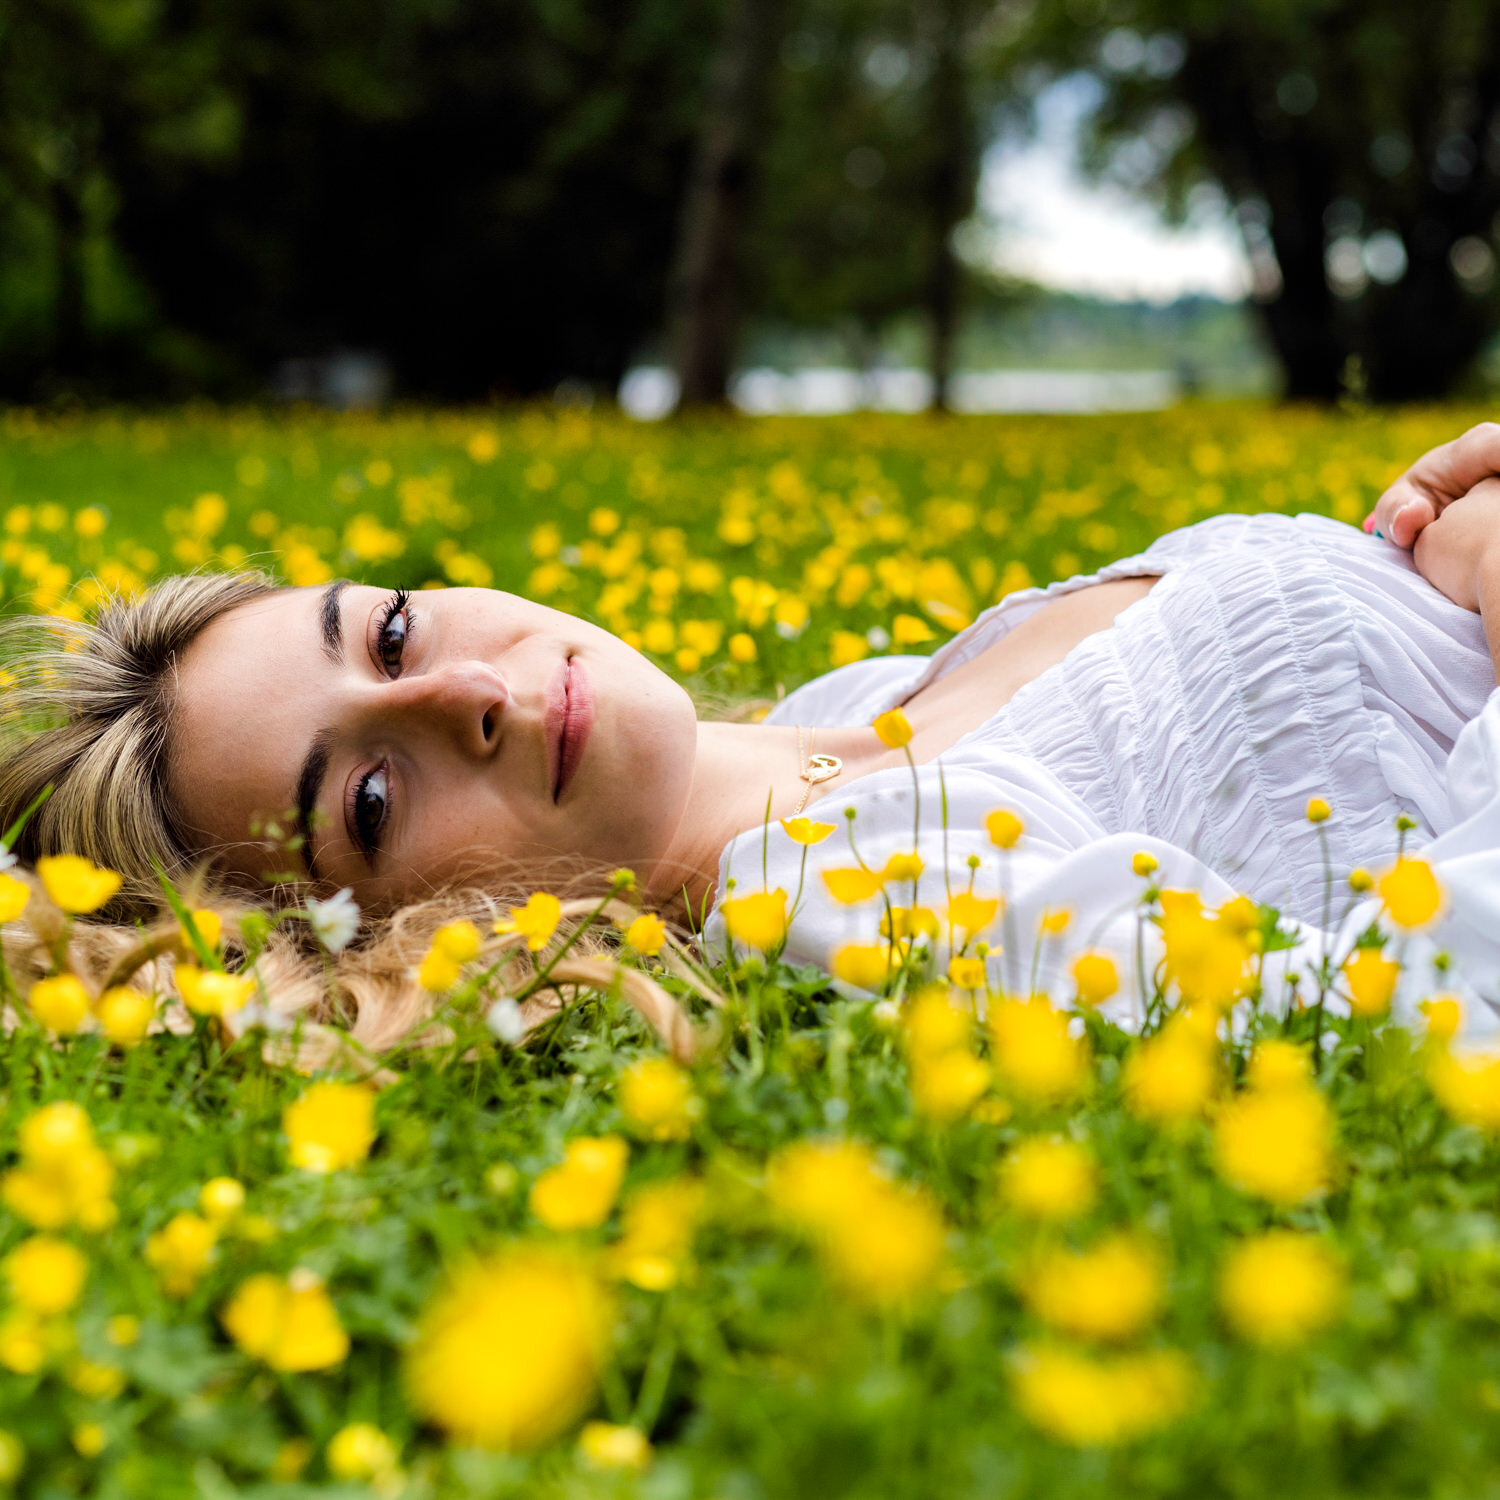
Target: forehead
(246, 698)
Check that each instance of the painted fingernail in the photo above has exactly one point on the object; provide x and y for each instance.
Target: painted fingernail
(1369, 524)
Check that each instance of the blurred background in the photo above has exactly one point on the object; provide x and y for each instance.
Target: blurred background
(787, 204)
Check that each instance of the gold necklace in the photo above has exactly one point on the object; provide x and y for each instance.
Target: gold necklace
(818, 767)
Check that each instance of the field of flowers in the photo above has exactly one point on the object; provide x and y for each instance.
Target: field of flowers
(941, 1243)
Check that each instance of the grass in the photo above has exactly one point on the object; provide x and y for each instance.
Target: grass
(912, 1317)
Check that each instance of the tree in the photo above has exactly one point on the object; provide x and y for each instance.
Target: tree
(1359, 141)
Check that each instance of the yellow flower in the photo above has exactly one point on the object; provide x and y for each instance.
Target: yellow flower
(647, 934)
(902, 867)
(1055, 921)
(210, 929)
(851, 886)
(1372, 981)
(1091, 1402)
(208, 993)
(14, 894)
(864, 965)
(125, 1015)
(1361, 881)
(99, 1381)
(360, 1451)
(882, 1241)
(1111, 1291)
(1143, 864)
(659, 1221)
(934, 1025)
(1049, 1178)
(1170, 1076)
(537, 920)
(657, 1098)
(1004, 828)
(458, 940)
(76, 884)
(893, 728)
(12, 1457)
(742, 648)
(758, 920)
(1279, 1287)
(64, 1178)
(59, 1004)
(967, 973)
(1096, 978)
(605, 1446)
(579, 1193)
(945, 1084)
(331, 1126)
(55, 1132)
(1034, 1053)
(507, 1353)
(1276, 1144)
(24, 1343)
(1411, 892)
(1205, 957)
(289, 1323)
(972, 913)
(1318, 811)
(437, 972)
(180, 1252)
(89, 1439)
(1277, 1064)
(1467, 1087)
(1444, 1014)
(907, 922)
(46, 1275)
(805, 831)
(221, 1198)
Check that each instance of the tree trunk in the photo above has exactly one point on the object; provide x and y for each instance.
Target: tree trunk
(705, 312)
(949, 185)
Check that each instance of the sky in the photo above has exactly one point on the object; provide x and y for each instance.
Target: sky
(1054, 226)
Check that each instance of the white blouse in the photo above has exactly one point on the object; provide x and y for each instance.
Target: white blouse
(1278, 659)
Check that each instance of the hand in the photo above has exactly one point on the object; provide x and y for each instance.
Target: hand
(1459, 553)
(1434, 482)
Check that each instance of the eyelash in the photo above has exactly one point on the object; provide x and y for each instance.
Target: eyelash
(368, 838)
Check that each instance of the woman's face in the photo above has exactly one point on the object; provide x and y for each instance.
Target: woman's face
(417, 740)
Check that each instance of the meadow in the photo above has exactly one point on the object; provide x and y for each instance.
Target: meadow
(841, 1247)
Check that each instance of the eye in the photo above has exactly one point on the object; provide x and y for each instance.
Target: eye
(397, 623)
(367, 808)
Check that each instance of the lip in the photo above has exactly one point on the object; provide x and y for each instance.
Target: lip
(570, 717)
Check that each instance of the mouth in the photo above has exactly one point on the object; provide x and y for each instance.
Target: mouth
(570, 717)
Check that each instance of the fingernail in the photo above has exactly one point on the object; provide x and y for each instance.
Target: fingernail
(1369, 525)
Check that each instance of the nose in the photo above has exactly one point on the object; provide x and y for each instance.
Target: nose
(465, 700)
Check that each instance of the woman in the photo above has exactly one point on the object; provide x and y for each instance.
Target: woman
(1188, 701)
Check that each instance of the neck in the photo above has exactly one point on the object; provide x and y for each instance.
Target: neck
(739, 772)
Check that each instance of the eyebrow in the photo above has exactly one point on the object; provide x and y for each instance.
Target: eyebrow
(320, 751)
(331, 621)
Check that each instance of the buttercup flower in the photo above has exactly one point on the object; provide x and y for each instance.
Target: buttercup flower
(806, 831)
(507, 1353)
(125, 1015)
(331, 1126)
(851, 886)
(1096, 977)
(536, 921)
(657, 1099)
(1048, 1178)
(1411, 892)
(60, 1004)
(893, 728)
(76, 884)
(1111, 1291)
(1281, 1286)
(647, 934)
(361, 1451)
(758, 920)
(1170, 1076)
(605, 1446)
(579, 1193)
(1034, 1052)
(206, 992)
(46, 1275)
(1099, 1402)
(289, 1323)
(1004, 828)
(14, 894)
(210, 928)
(1372, 981)
(180, 1252)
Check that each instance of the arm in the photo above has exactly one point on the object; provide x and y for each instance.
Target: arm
(1434, 482)
(1459, 553)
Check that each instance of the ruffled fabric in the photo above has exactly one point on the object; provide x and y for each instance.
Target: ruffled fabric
(1278, 659)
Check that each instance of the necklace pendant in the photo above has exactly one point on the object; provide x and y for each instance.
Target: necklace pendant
(822, 768)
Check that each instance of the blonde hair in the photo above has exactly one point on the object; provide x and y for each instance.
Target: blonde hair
(88, 711)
